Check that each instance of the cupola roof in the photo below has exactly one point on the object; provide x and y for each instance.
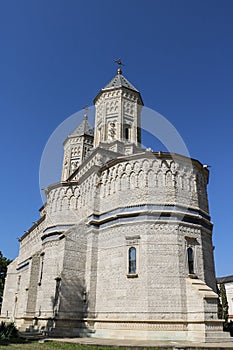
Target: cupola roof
(119, 82)
(84, 128)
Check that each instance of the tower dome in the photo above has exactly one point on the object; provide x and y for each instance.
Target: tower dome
(76, 147)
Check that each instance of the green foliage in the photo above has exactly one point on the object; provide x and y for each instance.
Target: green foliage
(3, 269)
(8, 331)
(219, 304)
(223, 304)
(34, 345)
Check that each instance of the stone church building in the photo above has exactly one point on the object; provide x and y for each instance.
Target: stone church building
(123, 246)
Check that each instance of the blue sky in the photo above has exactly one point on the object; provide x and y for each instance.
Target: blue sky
(57, 54)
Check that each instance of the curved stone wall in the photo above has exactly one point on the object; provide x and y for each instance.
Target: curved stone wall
(131, 181)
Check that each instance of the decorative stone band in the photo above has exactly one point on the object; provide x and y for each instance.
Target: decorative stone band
(141, 325)
(154, 212)
(150, 325)
(156, 325)
(54, 232)
(216, 325)
(24, 264)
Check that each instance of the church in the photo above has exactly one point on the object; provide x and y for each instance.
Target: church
(123, 246)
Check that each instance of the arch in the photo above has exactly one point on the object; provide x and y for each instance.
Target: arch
(108, 188)
(132, 260)
(164, 166)
(145, 165)
(53, 201)
(68, 192)
(136, 167)
(187, 183)
(169, 182)
(119, 170)
(181, 181)
(65, 203)
(141, 183)
(173, 167)
(73, 202)
(155, 165)
(128, 168)
(112, 186)
(151, 179)
(132, 181)
(124, 182)
(77, 191)
(160, 179)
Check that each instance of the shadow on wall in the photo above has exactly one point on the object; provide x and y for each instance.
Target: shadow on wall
(70, 302)
(70, 308)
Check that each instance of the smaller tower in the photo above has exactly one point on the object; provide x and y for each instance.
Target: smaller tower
(118, 112)
(76, 147)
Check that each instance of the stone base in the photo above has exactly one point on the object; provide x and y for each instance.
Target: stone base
(159, 330)
(169, 330)
(165, 330)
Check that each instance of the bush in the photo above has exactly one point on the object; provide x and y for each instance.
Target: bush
(8, 331)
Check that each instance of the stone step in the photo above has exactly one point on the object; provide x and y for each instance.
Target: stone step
(218, 337)
(32, 335)
(219, 341)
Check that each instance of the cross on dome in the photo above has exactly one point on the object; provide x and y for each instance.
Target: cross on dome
(119, 62)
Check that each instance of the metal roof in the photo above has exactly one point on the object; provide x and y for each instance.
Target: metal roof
(225, 279)
(119, 81)
(84, 128)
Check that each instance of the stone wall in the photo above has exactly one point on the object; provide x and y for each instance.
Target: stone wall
(161, 270)
(140, 179)
(73, 295)
(74, 264)
(157, 181)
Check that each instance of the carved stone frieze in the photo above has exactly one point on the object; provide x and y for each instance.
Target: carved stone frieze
(134, 325)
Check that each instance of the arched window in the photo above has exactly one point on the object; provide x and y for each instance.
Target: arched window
(190, 260)
(132, 260)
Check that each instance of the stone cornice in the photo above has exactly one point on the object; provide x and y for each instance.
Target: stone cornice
(160, 213)
(37, 223)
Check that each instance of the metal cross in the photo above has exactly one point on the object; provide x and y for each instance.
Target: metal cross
(119, 62)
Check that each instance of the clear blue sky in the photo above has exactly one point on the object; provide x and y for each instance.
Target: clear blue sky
(55, 55)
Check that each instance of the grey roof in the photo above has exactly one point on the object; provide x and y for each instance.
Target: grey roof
(119, 81)
(84, 128)
(225, 279)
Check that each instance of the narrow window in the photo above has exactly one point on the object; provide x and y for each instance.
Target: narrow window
(126, 133)
(41, 269)
(18, 283)
(190, 260)
(132, 260)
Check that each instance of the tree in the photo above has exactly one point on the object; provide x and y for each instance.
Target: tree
(3, 269)
(223, 305)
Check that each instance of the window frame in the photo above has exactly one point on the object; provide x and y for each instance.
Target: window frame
(41, 272)
(132, 260)
(190, 245)
(190, 257)
(132, 242)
